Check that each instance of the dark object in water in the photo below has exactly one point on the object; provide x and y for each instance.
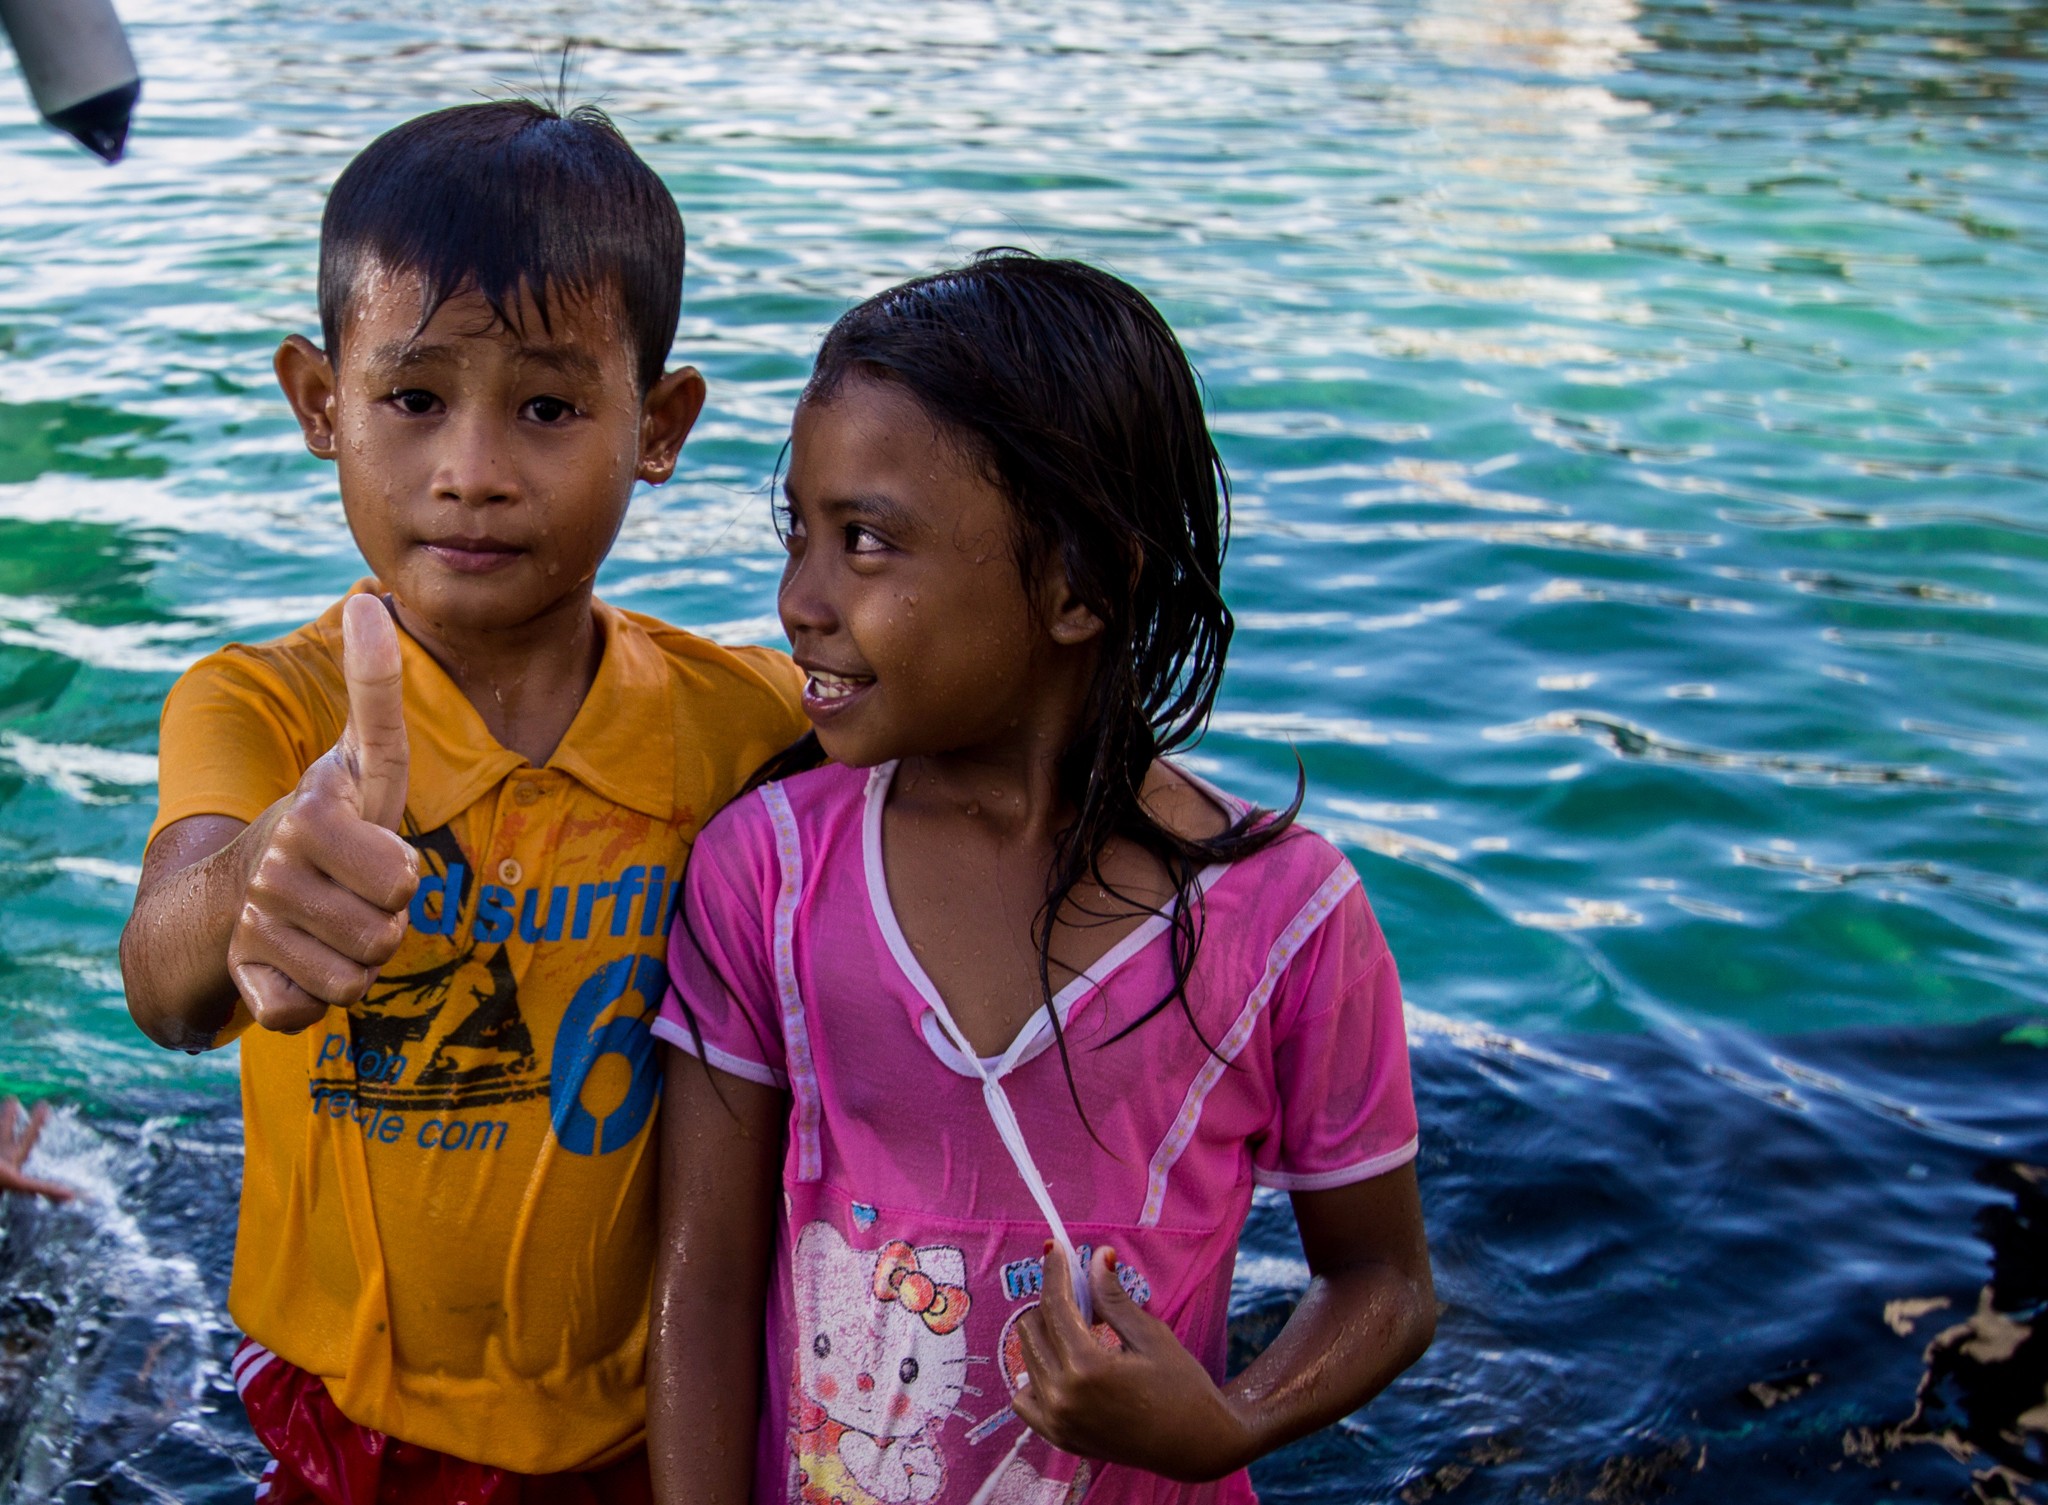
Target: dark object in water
(74, 54)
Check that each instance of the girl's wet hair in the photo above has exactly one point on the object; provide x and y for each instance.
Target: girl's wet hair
(506, 196)
(1068, 387)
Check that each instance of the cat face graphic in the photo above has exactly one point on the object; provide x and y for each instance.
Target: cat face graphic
(882, 1342)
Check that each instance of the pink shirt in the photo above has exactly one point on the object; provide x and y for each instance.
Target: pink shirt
(910, 1240)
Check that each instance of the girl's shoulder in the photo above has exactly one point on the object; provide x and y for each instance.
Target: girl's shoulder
(1282, 896)
(786, 817)
(1295, 857)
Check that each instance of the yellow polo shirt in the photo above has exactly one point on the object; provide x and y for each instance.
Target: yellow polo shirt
(448, 1200)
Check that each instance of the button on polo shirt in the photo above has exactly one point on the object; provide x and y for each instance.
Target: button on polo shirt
(448, 1199)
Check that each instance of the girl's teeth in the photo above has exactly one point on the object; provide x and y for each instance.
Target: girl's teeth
(832, 687)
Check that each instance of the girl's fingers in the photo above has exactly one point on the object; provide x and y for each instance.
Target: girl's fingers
(1024, 1400)
(27, 1143)
(1059, 1317)
(13, 1180)
(1113, 1305)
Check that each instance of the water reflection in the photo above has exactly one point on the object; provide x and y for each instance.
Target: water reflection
(1984, 1397)
(1572, 360)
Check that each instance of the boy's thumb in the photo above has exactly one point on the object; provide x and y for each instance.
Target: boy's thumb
(373, 746)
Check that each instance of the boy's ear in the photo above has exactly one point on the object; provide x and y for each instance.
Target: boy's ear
(666, 418)
(307, 377)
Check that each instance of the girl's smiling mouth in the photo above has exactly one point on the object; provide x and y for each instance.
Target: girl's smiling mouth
(826, 693)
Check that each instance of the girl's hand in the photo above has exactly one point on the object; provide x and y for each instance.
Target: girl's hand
(1368, 1313)
(1137, 1398)
(17, 1142)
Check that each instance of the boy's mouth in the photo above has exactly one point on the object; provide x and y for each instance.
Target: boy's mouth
(473, 555)
(825, 691)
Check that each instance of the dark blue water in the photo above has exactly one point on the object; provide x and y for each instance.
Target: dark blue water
(1636, 411)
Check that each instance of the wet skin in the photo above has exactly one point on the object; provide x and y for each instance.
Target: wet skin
(903, 601)
(485, 469)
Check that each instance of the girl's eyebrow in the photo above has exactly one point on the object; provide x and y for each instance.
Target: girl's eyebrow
(876, 508)
(868, 506)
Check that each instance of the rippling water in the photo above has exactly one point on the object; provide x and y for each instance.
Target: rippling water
(1637, 416)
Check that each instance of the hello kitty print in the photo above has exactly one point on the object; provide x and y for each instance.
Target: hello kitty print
(882, 1365)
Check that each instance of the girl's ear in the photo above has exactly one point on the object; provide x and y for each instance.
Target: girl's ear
(1068, 618)
(307, 376)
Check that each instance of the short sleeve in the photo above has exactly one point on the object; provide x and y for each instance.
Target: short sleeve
(232, 742)
(1340, 1060)
(722, 1000)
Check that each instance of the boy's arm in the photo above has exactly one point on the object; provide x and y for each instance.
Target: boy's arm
(295, 911)
(721, 1169)
(1368, 1313)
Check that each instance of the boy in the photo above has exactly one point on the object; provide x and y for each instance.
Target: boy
(420, 855)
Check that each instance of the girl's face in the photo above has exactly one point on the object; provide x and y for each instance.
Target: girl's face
(902, 598)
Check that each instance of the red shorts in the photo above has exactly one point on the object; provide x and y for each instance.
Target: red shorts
(320, 1457)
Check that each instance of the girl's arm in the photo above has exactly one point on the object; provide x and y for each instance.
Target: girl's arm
(721, 1169)
(1369, 1312)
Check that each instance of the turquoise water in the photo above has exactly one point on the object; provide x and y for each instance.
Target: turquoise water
(1636, 413)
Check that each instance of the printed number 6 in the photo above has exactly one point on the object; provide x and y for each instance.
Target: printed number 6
(581, 1041)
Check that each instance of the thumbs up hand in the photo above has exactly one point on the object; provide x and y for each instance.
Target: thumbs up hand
(328, 878)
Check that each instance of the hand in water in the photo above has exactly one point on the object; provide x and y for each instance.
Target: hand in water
(1144, 1401)
(329, 879)
(17, 1142)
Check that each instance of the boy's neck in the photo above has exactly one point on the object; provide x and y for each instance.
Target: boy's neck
(526, 682)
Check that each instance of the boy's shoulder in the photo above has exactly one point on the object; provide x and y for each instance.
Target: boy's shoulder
(299, 672)
(702, 666)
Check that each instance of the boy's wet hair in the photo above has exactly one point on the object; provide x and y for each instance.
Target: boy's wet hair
(1070, 390)
(504, 197)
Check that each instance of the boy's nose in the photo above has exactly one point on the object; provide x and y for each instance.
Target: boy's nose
(470, 467)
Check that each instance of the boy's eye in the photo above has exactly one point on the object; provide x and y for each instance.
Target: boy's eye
(415, 401)
(550, 409)
(860, 540)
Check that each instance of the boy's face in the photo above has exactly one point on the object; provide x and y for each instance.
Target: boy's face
(485, 470)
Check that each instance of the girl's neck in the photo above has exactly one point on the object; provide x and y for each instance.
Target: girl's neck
(526, 682)
(1012, 790)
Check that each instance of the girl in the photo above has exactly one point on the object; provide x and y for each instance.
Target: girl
(1016, 1010)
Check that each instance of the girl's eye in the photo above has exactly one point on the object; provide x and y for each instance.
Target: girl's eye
(415, 401)
(860, 540)
(550, 409)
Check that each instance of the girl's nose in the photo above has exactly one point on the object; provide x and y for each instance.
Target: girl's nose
(802, 602)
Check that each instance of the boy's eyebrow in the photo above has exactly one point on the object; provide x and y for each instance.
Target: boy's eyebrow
(566, 359)
(407, 355)
(403, 355)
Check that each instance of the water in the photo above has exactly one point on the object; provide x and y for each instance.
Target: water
(1637, 416)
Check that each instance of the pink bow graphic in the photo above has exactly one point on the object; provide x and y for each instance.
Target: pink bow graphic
(897, 1278)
